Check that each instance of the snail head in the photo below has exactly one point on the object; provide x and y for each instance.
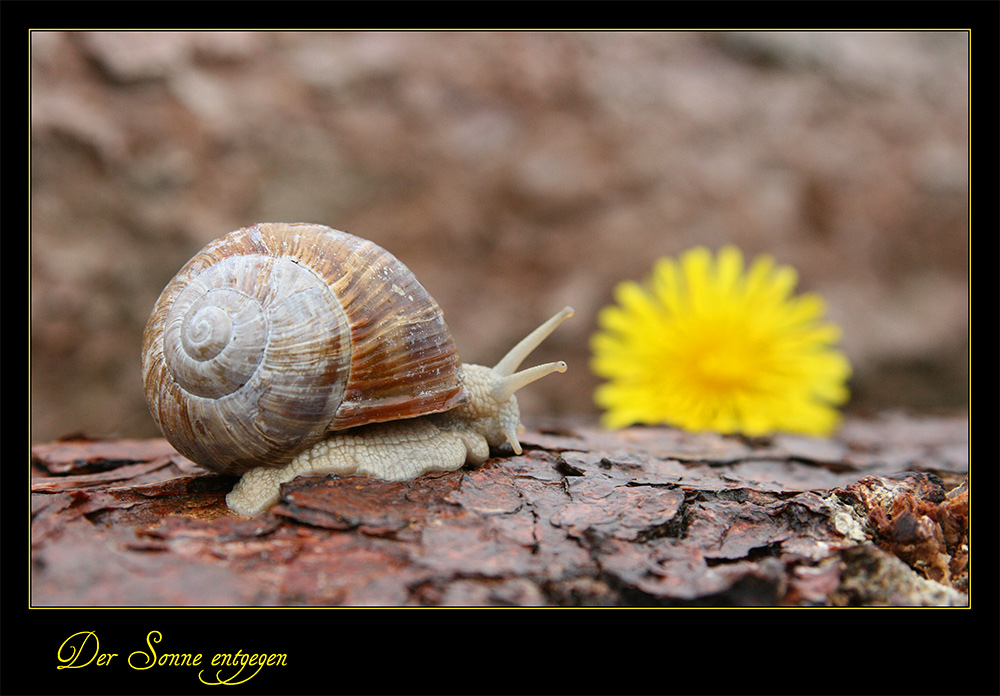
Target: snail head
(492, 407)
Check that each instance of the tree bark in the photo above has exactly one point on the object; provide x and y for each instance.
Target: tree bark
(877, 515)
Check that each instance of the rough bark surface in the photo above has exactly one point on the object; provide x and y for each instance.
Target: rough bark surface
(641, 517)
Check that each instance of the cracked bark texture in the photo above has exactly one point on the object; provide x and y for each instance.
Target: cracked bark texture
(640, 517)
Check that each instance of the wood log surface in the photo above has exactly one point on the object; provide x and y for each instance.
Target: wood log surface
(643, 517)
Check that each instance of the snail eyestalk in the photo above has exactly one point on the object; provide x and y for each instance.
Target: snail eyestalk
(506, 387)
(510, 362)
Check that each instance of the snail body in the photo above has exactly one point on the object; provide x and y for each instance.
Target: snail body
(288, 349)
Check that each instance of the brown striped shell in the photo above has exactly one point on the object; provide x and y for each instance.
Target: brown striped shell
(278, 333)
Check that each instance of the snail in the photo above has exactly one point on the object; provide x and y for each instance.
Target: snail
(290, 349)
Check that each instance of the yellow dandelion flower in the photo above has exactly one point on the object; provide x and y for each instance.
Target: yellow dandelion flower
(704, 346)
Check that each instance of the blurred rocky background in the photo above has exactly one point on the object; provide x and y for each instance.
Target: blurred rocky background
(514, 173)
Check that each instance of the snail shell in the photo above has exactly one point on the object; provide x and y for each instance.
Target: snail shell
(276, 334)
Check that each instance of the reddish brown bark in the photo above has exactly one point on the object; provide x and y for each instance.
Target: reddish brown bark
(645, 516)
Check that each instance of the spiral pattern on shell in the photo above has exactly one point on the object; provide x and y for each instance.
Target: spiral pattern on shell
(276, 334)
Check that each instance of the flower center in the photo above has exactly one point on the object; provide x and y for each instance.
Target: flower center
(725, 361)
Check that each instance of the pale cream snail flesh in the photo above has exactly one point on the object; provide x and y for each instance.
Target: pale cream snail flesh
(291, 349)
